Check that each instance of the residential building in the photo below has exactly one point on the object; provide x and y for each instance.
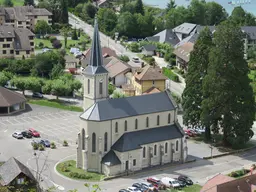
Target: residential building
(70, 62)
(223, 183)
(184, 30)
(148, 50)
(106, 52)
(16, 42)
(24, 16)
(183, 55)
(11, 101)
(250, 38)
(125, 134)
(15, 174)
(101, 3)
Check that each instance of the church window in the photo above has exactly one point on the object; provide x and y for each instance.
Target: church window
(134, 162)
(83, 139)
(136, 123)
(158, 120)
(155, 150)
(125, 125)
(88, 86)
(93, 142)
(169, 118)
(147, 122)
(144, 152)
(166, 147)
(177, 145)
(106, 142)
(116, 127)
(101, 88)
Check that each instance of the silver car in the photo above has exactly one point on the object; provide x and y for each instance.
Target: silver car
(17, 135)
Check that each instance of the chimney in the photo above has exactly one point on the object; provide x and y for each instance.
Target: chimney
(142, 64)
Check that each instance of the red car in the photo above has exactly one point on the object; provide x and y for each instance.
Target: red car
(154, 181)
(189, 133)
(34, 132)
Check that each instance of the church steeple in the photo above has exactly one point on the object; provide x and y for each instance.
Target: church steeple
(96, 59)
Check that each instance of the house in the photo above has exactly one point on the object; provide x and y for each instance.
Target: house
(183, 54)
(184, 30)
(24, 16)
(106, 52)
(11, 102)
(148, 50)
(121, 135)
(223, 183)
(70, 62)
(15, 174)
(16, 42)
(250, 37)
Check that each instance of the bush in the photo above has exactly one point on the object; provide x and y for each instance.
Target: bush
(53, 146)
(64, 167)
(35, 146)
(52, 39)
(65, 143)
(168, 73)
(79, 175)
(149, 60)
(57, 44)
(41, 148)
(111, 89)
(124, 58)
(134, 47)
(41, 45)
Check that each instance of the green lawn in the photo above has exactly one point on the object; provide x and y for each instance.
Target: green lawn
(55, 104)
(15, 2)
(66, 168)
(193, 188)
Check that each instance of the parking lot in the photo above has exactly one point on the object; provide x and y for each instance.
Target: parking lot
(53, 124)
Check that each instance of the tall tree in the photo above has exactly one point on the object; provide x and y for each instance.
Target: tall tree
(171, 5)
(8, 3)
(192, 96)
(177, 16)
(64, 11)
(107, 19)
(139, 7)
(215, 13)
(29, 2)
(197, 11)
(230, 97)
(126, 25)
(238, 16)
(42, 27)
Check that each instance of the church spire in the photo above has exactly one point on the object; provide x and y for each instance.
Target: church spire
(96, 59)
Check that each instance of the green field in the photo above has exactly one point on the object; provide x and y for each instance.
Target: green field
(15, 2)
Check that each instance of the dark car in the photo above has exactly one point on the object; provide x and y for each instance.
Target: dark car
(45, 143)
(37, 95)
(123, 190)
(185, 179)
(26, 134)
(137, 185)
(182, 183)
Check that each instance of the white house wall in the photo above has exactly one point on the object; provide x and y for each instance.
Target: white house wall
(120, 79)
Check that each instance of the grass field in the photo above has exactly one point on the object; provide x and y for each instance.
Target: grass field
(67, 167)
(15, 2)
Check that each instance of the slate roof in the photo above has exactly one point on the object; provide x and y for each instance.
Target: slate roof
(96, 60)
(134, 140)
(129, 106)
(250, 31)
(149, 47)
(185, 28)
(192, 39)
(165, 36)
(184, 50)
(104, 50)
(9, 98)
(111, 159)
(11, 169)
(22, 41)
(150, 73)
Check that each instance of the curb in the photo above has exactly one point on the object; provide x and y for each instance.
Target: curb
(229, 153)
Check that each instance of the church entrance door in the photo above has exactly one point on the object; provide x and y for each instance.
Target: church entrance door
(127, 165)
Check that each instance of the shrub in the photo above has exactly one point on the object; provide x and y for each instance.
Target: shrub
(52, 39)
(64, 167)
(111, 89)
(170, 74)
(134, 47)
(149, 60)
(65, 143)
(35, 146)
(57, 44)
(124, 58)
(41, 45)
(53, 146)
(79, 175)
(41, 148)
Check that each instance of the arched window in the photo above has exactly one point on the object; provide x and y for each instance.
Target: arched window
(116, 127)
(106, 142)
(169, 118)
(83, 139)
(166, 147)
(88, 86)
(155, 150)
(147, 122)
(158, 120)
(144, 152)
(100, 88)
(136, 123)
(93, 142)
(177, 145)
(125, 125)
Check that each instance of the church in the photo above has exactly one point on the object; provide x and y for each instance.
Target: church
(125, 134)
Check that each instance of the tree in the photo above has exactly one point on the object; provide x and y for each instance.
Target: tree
(230, 101)
(8, 3)
(57, 44)
(118, 94)
(159, 24)
(139, 7)
(3, 79)
(129, 7)
(60, 88)
(197, 11)
(20, 83)
(79, 33)
(34, 84)
(57, 71)
(215, 13)
(192, 96)
(42, 27)
(251, 53)
(107, 19)
(64, 11)
(171, 5)
(29, 2)
(126, 25)
(64, 33)
(177, 16)
(238, 16)
(74, 35)
(90, 10)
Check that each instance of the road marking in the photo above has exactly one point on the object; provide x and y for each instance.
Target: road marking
(5, 130)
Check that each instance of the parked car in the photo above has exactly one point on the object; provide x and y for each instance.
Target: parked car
(34, 132)
(137, 185)
(17, 135)
(123, 190)
(185, 179)
(169, 182)
(189, 133)
(37, 95)
(154, 181)
(26, 134)
(182, 183)
(148, 185)
(133, 189)
(35, 142)
(45, 143)
(135, 59)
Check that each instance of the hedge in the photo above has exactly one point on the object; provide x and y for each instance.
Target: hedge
(168, 73)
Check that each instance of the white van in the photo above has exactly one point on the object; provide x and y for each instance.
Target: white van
(169, 182)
